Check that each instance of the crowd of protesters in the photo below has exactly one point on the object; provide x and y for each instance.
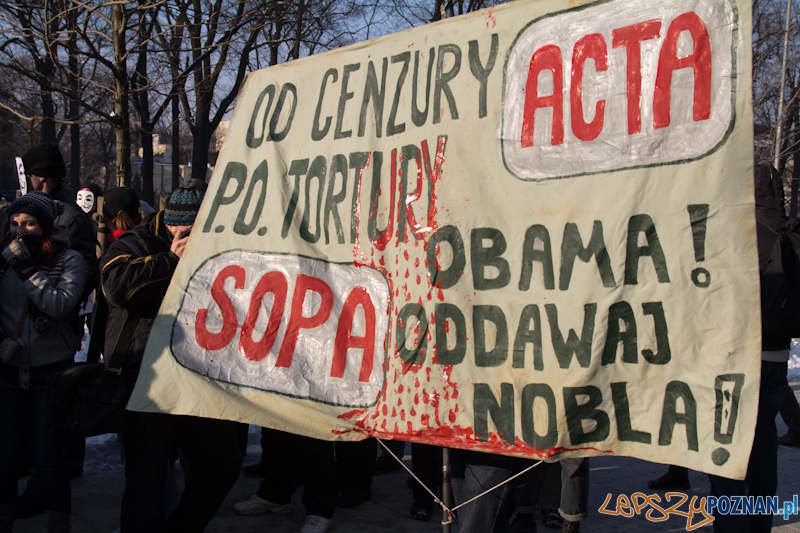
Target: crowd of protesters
(53, 268)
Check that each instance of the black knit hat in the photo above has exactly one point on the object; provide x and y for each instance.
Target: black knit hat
(45, 161)
(96, 189)
(38, 205)
(182, 206)
(121, 199)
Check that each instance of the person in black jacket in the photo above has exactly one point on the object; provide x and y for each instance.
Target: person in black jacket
(762, 471)
(135, 275)
(45, 169)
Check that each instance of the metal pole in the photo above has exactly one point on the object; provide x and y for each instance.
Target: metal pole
(448, 503)
(779, 131)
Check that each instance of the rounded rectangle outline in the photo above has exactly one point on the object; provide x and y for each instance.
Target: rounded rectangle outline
(284, 394)
(734, 91)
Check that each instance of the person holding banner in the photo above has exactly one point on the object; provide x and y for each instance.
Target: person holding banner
(288, 458)
(493, 512)
(135, 275)
(762, 470)
(41, 282)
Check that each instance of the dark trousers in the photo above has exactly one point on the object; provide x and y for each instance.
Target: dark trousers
(542, 486)
(355, 463)
(491, 512)
(210, 448)
(24, 422)
(790, 412)
(288, 458)
(762, 471)
(423, 464)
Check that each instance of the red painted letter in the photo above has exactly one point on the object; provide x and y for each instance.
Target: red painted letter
(590, 47)
(273, 282)
(410, 199)
(545, 58)
(215, 341)
(297, 320)
(346, 340)
(381, 238)
(668, 62)
(433, 176)
(630, 38)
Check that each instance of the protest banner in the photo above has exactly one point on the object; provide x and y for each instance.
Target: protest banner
(528, 230)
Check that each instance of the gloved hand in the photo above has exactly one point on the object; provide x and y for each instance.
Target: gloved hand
(17, 255)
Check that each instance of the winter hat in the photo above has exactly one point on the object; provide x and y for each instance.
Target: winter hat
(45, 161)
(96, 189)
(121, 199)
(182, 206)
(38, 205)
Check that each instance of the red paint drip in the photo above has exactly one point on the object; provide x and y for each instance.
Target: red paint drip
(357, 207)
(349, 415)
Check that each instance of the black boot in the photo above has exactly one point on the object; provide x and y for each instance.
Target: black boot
(6, 517)
(256, 470)
(676, 478)
(30, 503)
(58, 522)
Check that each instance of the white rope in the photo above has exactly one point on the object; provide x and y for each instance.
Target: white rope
(440, 503)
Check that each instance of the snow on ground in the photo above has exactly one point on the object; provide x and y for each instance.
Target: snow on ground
(794, 361)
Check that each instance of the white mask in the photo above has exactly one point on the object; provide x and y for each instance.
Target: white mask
(85, 200)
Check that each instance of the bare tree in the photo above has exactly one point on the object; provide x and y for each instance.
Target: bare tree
(768, 34)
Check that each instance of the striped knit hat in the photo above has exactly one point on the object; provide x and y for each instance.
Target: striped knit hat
(182, 206)
(38, 205)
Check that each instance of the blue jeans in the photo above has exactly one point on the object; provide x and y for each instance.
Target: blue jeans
(574, 489)
(489, 513)
(24, 423)
(762, 471)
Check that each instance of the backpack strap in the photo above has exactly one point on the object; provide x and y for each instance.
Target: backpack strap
(115, 361)
(22, 318)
